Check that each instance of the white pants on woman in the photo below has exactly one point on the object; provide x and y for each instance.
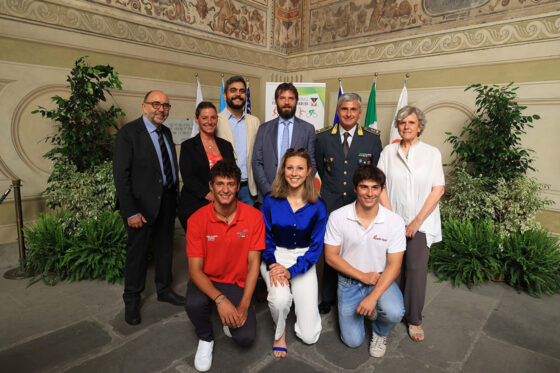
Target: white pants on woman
(303, 291)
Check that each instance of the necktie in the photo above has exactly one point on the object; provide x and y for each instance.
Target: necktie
(345, 145)
(285, 139)
(165, 158)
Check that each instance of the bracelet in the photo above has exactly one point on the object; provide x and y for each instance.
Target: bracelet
(217, 296)
(221, 300)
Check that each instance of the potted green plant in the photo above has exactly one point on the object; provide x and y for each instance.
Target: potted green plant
(80, 186)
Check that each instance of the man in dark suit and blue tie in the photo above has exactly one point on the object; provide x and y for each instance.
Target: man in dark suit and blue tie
(145, 173)
(277, 135)
(339, 150)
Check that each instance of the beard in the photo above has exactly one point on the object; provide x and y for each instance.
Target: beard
(156, 118)
(232, 105)
(287, 112)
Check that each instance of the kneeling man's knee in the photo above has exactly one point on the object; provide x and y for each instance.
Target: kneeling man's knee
(352, 342)
(394, 314)
(244, 339)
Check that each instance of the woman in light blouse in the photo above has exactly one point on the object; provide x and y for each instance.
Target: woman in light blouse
(295, 220)
(415, 184)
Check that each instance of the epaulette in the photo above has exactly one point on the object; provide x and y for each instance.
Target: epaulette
(324, 130)
(372, 130)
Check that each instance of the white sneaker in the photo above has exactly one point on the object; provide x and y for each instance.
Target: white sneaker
(203, 357)
(226, 331)
(377, 345)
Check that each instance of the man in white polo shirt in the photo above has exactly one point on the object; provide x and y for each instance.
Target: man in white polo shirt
(365, 243)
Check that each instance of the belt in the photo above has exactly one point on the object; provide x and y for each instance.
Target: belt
(244, 183)
(170, 187)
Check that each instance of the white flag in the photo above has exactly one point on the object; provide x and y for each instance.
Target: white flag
(403, 101)
(199, 99)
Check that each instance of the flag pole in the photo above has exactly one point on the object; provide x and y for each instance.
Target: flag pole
(406, 79)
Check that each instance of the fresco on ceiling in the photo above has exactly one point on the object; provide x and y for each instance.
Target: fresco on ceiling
(230, 18)
(344, 20)
(288, 24)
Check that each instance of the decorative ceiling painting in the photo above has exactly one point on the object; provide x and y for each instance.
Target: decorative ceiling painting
(332, 22)
(230, 18)
(288, 16)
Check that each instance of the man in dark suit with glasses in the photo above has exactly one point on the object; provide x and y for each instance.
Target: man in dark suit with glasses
(145, 172)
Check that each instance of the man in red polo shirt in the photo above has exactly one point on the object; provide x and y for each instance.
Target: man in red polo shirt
(224, 243)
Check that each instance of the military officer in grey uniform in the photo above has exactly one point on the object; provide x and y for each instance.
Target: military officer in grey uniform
(339, 150)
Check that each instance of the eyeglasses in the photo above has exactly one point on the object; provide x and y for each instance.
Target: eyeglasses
(156, 105)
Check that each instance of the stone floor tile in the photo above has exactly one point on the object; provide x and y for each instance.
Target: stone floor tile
(38, 309)
(451, 322)
(405, 364)
(491, 355)
(525, 321)
(288, 364)
(151, 312)
(334, 351)
(55, 348)
(155, 349)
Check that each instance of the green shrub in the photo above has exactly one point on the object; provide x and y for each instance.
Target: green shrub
(84, 195)
(467, 254)
(99, 250)
(512, 205)
(531, 260)
(48, 240)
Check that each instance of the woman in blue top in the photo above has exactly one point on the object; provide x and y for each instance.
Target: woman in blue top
(295, 220)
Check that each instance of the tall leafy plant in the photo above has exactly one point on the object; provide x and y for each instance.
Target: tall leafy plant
(490, 144)
(82, 134)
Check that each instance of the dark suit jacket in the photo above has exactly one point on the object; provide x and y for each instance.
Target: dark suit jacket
(265, 150)
(336, 170)
(194, 167)
(136, 170)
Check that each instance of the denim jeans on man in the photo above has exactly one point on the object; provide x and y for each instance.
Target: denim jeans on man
(390, 310)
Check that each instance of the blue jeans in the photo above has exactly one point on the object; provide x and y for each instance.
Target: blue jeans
(244, 195)
(390, 310)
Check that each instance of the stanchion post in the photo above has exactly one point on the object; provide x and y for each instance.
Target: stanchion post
(19, 272)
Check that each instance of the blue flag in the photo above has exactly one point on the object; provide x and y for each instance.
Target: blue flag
(340, 92)
(248, 103)
(222, 100)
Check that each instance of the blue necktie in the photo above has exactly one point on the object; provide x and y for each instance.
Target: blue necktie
(165, 159)
(285, 138)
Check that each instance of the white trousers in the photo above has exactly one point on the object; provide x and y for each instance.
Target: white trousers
(302, 290)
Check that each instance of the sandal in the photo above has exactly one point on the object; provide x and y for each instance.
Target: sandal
(281, 349)
(415, 332)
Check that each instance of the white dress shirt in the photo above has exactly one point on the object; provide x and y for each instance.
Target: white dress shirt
(409, 182)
